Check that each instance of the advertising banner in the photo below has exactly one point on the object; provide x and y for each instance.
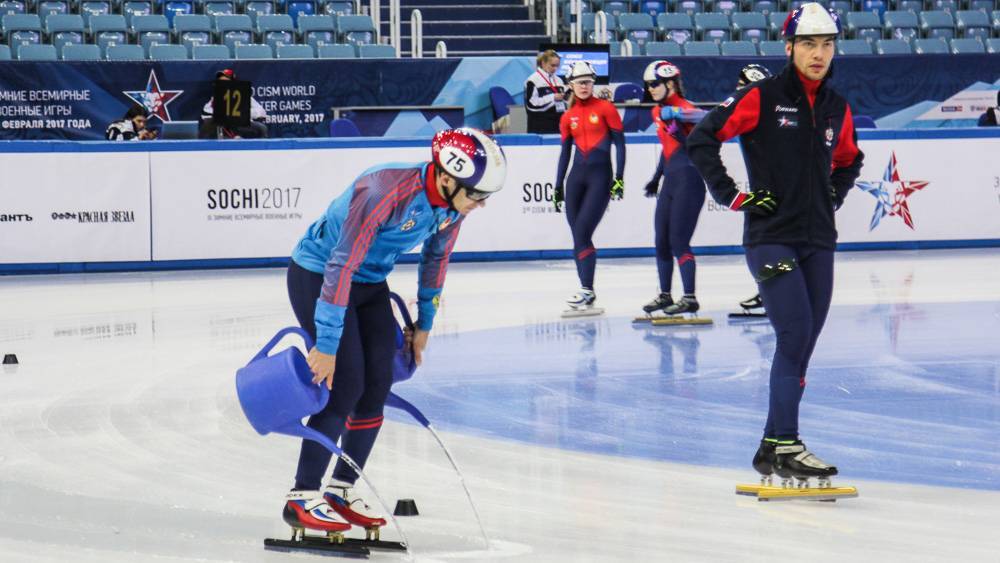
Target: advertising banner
(74, 207)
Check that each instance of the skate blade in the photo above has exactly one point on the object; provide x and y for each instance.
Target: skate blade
(376, 544)
(575, 313)
(676, 321)
(769, 493)
(747, 315)
(319, 546)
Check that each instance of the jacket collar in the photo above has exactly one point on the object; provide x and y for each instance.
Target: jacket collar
(793, 86)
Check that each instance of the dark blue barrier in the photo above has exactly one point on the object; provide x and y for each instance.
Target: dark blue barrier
(76, 100)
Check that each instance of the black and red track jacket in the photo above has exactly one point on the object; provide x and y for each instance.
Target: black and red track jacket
(801, 152)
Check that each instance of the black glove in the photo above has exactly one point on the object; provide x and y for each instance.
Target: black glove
(758, 202)
(652, 188)
(837, 200)
(558, 196)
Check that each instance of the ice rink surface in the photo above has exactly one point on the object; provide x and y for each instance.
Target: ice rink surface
(121, 438)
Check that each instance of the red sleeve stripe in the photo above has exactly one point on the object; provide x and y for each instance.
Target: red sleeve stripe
(744, 117)
(361, 244)
(443, 268)
(737, 201)
(846, 150)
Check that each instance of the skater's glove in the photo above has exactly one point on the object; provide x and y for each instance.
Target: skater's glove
(670, 112)
(652, 188)
(558, 196)
(618, 189)
(837, 200)
(758, 202)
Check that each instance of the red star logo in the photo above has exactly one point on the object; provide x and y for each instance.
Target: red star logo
(153, 98)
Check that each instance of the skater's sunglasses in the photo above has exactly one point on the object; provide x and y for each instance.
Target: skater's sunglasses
(474, 194)
(655, 83)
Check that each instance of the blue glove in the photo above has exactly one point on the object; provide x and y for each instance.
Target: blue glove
(670, 112)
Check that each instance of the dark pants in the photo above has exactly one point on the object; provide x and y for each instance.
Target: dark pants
(588, 191)
(797, 305)
(361, 380)
(209, 130)
(678, 206)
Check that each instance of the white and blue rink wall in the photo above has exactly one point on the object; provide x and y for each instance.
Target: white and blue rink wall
(70, 206)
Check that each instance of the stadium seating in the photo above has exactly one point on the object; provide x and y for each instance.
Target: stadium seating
(892, 47)
(967, 45)
(675, 27)
(76, 52)
(663, 49)
(739, 49)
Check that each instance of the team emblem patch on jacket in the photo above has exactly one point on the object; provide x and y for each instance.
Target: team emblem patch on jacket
(409, 224)
(829, 136)
(787, 122)
(594, 119)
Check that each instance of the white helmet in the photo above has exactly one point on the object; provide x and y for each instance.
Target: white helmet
(811, 18)
(580, 70)
(472, 157)
(657, 71)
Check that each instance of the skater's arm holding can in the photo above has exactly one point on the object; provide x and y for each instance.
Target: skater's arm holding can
(431, 273)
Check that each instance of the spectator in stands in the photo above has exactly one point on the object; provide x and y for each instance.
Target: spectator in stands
(132, 127)
(544, 97)
(991, 117)
(256, 130)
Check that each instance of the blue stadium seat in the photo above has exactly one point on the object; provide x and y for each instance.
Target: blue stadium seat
(972, 23)
(20, 29)
(726, 7)
(108, 30)
(336, 51)
(133, 8)
(356, 30)
(981, 5)
(47, 8)
(257, 8)
(168, 53)
(930, 46)
(63, 29)
(877, 7)
(5, 54)
(701, 48)
(174, 8)
(663, 49)
(996, 23)
(9, 7)
(192, 29)
(739, 49)
(301, 8)
(675, 27)
(993, 45)
(864, 25)
(965, 45)
(842, 7)
(615, 8)
(255, 51)
(712, 27)
(337, 7)
(376, 51)
(344, 128)
(150, 30)
(766, 7)
(651, 7)
(749, 26)
(216, 8)
(125, 53)
(775, 22)
(614, 48)
(854, 47)
(295, 52)
(950, 6)
(75, 52)
(91, 8)
(892, 47)
(915, 6)
(314, 30)
(937, 24)
(637, 28)
(689, 7)
(275, 29)
(901, 25)
(34, 52)
(772, 48)
(234, 29)
(210, 52)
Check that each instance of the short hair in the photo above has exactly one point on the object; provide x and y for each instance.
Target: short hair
(136, 111)
(546, 55)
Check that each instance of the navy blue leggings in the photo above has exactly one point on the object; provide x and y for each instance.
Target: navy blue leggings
(797, 304)
(588, 191)
(678, 206)
(361, 380)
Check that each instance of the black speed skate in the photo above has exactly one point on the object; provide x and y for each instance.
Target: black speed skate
(751, 308)
(686, 304)
(763, 461)
(661, 302)
(795, 461)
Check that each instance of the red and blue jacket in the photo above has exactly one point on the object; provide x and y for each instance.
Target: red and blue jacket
(592, 125)
(798, 141)
(387, 211)
(673, 132)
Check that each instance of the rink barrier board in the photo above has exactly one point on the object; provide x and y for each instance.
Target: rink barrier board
(415, 149)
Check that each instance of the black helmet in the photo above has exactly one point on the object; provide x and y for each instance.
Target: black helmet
(752, 73)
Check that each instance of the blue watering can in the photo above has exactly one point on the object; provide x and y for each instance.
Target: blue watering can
(404, 364)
